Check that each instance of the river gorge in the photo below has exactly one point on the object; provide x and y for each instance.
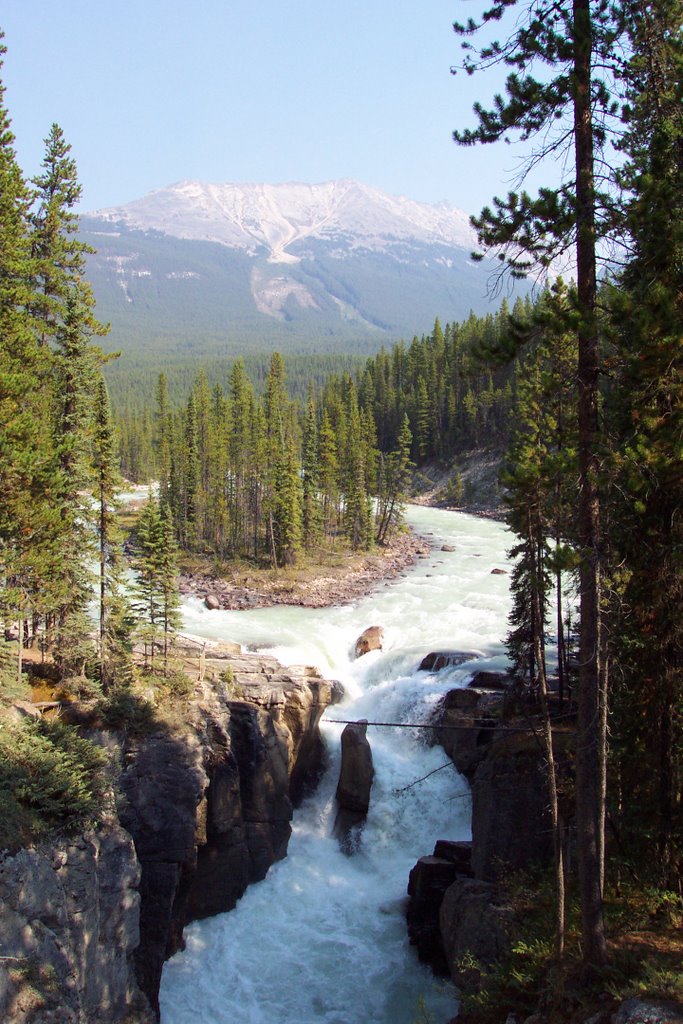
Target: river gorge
(323, 937)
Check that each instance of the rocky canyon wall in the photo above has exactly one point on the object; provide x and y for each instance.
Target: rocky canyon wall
(204, 809)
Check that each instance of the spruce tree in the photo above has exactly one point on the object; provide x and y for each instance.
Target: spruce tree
(393, 493)
(168, 581)
(329, 476)
(59, 255)
(312, 508)
(62, 305)
(239, 447)
(116, 620)
(287, 516)
(277, 456)
(31, 566)
(156, 587)
(162, 441)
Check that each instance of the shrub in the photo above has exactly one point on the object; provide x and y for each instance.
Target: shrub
(51, 779)
(126, 711)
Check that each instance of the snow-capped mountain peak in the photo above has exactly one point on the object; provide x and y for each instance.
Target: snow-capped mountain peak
(271, 219)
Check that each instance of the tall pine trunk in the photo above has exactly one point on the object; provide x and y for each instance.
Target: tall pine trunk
(534, 534)
(103, 586)
(591, 738)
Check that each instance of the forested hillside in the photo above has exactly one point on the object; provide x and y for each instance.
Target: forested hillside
(451, 387)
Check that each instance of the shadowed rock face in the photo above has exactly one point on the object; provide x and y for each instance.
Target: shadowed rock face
(437, 660)
(475, 927)
(511, 829)
(429, 880)
(464, 726)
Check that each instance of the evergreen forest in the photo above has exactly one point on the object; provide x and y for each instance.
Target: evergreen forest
(578, 391)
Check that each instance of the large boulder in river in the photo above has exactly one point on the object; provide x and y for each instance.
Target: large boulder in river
(436, 660)
(429, 880)
(369, 640)
(357, 771)
(355, 782)
(489, 680)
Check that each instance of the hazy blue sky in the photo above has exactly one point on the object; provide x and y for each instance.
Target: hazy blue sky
(149, 92)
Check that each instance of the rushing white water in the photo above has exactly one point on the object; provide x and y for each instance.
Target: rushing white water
(323, 937)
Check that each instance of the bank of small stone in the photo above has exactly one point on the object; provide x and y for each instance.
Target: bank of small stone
(338, 581)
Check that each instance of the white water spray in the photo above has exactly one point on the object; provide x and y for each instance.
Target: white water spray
(323, 937)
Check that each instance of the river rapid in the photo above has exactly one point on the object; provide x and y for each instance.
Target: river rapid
(323, 937)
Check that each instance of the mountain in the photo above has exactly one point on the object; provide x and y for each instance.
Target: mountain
(201, 269)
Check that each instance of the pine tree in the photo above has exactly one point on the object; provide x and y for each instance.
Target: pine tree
(59, 255)
(648, 311)
(218, 474)
(157, 593)
(75, 384)
(394, 490)
(277, 456)
(287, 519)
(30, 474)
(312, 508)
(168, 581)
(163, 438)
(63, 307)
(329, 476)
(239, 448)
(575, 42)
(115, 615)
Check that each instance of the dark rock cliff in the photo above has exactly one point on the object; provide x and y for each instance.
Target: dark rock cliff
(87, 925)
(69, 923)
(466, 922)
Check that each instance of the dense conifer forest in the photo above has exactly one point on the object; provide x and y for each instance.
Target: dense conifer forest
(579, 391)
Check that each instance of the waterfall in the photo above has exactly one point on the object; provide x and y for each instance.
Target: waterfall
(323, 937)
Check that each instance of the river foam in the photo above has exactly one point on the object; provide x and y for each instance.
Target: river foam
(323, 937)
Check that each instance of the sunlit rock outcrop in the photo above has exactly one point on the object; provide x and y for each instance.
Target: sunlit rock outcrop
(369, 640)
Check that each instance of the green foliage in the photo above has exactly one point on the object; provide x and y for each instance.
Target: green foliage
(647, 313)
(539, 464)
(74, 651)
(455, 489)
(177, 683)
(125, 710)
(393, 482)
(49, 376)
(227, 676)
(51, 779)
(156, 587)
(234, 689)
(11, 688)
